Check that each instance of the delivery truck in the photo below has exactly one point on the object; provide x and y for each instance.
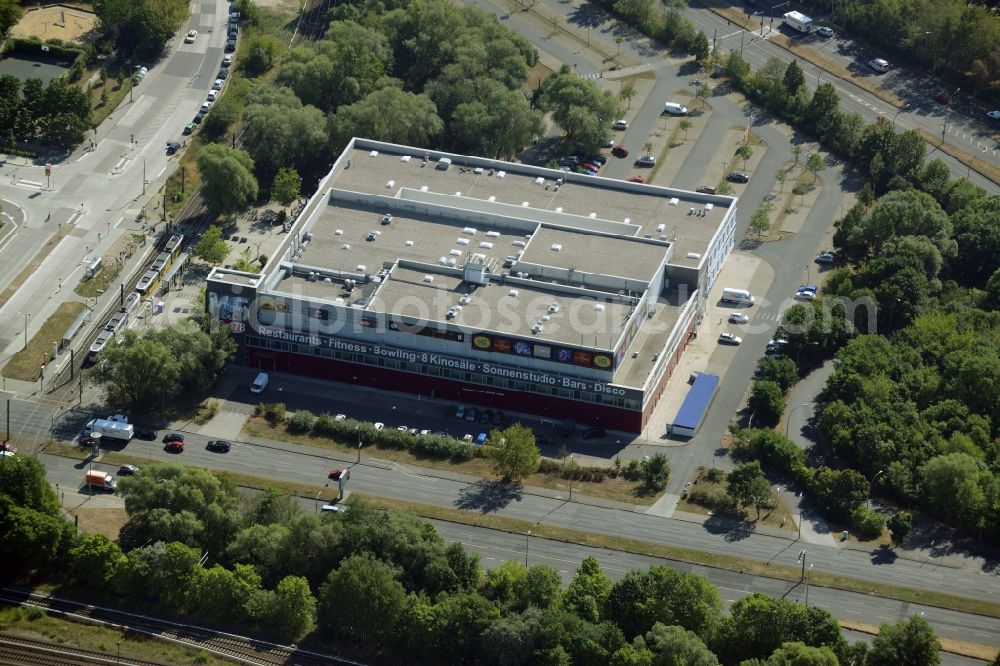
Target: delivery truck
(101, 480)
(110, 429)
(740, 296)
(798, 21)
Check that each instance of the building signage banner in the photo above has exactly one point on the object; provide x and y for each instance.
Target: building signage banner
(443, 361)
(485, 342)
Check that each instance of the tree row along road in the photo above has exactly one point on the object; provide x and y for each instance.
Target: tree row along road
(300, 464)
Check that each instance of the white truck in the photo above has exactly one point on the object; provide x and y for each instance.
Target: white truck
(798, 21)
(110, 429)
(741, 296)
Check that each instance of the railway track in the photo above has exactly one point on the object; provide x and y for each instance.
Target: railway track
(312, 23)
(15, 650)
(237, 648)
(63, 386)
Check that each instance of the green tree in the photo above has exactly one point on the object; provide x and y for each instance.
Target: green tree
(675, 646)
(766, 403)
(287, 186)
(583, 110)
(700, 49)
(10, 13)
(758, 625)
(760, 221)
(281, 132)
(159, 572)
(260, 53)
(136, 373)
(173, 502)
(952, 485)
(228, 183)
(506, 583)
(744, 153)
(543, 587)
(511, 639)
(224, 112)
(748, 487)
(627, 92)
(94, 561)
(685, 125)
(906, 643)
(22, 480)
(500, 124)
(29, 539)
(210, 247)
(246, 262)
(286, 612)
(513, 452)
(781, 371)
(362, 599)
(587, 592)
(219, 594)
(794, 77)
(800, 654)
(389, 114)
(815, 164)
(656, 471)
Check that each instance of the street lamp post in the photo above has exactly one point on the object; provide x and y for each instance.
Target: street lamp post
(905, 106)
(807, 583)
(794, 409)
(802, 561)
(27, 316)
(571, 478)
(527, 537)
(872, 486)
(143, 175)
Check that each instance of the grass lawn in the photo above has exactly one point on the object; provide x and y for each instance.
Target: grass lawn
(620, 489)
(98, 284)
(26, 363)
(779, 517)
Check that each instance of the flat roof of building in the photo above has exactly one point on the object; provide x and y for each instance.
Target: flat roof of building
(602, 255)
(578, 320)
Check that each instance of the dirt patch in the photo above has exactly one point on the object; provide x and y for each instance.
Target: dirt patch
(100, 521)
(70, 23)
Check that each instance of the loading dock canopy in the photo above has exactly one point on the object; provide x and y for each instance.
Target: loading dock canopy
(695, 405)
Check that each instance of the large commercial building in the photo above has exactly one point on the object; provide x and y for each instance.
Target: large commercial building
(467, 279)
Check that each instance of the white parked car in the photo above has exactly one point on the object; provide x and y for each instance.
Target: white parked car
(620, 124)
(825, 258)
(340, 417)
(738, 318)
(824, 32)
(729, 339)
(805, 295)
(879, 65)
(212, 94)
(218, 84)
(191, 37)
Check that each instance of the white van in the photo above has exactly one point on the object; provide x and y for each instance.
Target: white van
(675, 109)
(741, 296)
(259, 384)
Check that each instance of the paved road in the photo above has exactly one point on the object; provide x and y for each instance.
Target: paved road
(97, 194)
(309, 465)
(496, 547)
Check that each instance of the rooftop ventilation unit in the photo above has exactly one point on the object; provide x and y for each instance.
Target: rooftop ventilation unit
(708, 208)
(423, 188)
(389, 184)
(525, 204)
(553, 308)
(493, 234)
(361, 268)
(345, 246)
(458, 194)
(537, 328)
(373, 153)
(539, 181)
(627, 220)
(338, 232)
(556, 247)
(501, 174)
(512, 293)
(477, 170)
(464, 300)
(693, 255)
(327, 280)
(475, 274)
(455, 253)
(558, 209)
(593, 216)
(661, 227)
(452, 261)
(492, 199)
(674, 201)
(444, 163)
(486, 245)
(443, 261)
(599, 307)
(469, 230)
(519, 243)
(428, 278)
(312, 276)
(546, 318)
(408, 243)
(387, 218)
(462, 241)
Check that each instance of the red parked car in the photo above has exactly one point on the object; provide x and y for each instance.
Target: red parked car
(636, 179)
(619, 151)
